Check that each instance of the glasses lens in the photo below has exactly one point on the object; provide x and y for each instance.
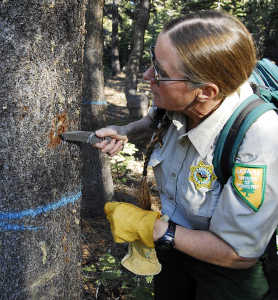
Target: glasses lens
(152, 54)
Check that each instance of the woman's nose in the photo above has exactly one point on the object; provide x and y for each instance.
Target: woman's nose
(149, 75)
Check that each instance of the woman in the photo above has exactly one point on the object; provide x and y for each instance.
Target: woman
(216, 244)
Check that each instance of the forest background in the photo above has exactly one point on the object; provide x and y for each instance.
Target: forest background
(259, 16)
(78, 65)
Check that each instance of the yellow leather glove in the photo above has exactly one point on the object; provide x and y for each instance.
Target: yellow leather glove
(141, 260)
(129, 223)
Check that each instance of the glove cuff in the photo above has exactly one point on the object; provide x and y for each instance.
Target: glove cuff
(146, 226)
(141, 260)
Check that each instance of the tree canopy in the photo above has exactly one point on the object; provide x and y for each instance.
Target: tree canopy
(257, 15)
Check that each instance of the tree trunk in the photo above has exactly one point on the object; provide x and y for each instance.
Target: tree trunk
(40, 93)
(115, 61)
(137, 104)
(97, 185)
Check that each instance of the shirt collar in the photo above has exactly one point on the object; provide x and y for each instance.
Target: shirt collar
(203, 136)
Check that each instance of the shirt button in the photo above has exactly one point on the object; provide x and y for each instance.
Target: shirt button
(173, 174)
(171, 198)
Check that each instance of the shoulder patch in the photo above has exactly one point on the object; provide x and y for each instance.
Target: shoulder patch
(249, 183)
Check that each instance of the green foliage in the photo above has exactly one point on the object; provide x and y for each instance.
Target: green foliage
(149, 279)
(261, 20)
(260, 17)
(108, 262)
(127, 16)
(109, 272)
(123, 163)
(140, 293)
(91, 268)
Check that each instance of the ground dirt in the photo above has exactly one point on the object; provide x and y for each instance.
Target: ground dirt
(97, 240)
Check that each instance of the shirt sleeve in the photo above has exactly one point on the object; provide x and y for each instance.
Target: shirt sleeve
(246, 228)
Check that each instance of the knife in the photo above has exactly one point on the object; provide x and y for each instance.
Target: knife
(84, 137)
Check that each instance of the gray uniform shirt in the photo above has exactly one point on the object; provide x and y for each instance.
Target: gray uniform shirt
(190, 192)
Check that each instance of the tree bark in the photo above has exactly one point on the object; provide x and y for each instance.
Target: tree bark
(41, 46)
(115, 61)
(137, 104)
(97, 184)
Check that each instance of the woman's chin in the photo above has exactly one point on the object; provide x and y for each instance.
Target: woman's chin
(157, 101)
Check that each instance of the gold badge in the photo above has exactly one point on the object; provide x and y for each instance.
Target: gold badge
(249, 183)
(202, 175)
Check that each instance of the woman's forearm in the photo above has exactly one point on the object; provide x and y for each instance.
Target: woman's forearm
(205, 246)
(140, 130)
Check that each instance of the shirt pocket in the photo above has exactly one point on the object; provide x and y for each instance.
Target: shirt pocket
(199, 205)
(156, 162)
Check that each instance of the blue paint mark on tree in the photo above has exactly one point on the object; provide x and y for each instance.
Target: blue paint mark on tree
(85, 101)
(20, 227)
(8, 216)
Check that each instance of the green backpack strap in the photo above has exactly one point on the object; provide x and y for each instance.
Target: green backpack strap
(233, 133)
(254, 114)
(217, 165)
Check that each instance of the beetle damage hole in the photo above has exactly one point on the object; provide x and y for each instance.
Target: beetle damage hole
(59, 125)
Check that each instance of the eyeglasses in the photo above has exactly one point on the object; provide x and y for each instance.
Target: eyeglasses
(156, 73)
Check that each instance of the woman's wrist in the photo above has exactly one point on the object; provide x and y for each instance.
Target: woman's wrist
(160, 228)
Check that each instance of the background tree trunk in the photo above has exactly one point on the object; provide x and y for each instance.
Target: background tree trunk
(41, 46)
(115, 60)
(137, 104)
(97, 184)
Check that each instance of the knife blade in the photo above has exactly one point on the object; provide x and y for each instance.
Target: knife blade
(84, 137)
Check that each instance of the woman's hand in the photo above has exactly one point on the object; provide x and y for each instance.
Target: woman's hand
(119, 139)
(133, 132)
(130, 223)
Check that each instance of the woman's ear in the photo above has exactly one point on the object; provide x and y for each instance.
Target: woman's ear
(207, 92)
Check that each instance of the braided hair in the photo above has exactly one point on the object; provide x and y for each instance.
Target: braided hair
(144, 199)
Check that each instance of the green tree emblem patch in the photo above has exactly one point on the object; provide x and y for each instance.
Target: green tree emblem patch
(248, 182)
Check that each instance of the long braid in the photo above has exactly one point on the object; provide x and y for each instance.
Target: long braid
(144, 199)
